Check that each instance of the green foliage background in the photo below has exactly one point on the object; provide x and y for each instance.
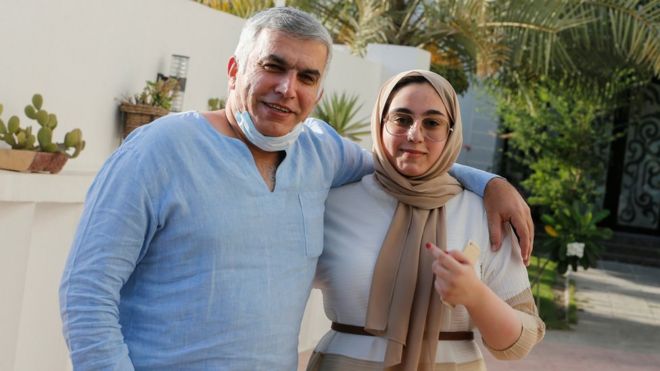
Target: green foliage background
(340, 111)
(563, 140)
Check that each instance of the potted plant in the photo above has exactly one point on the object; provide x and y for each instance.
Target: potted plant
(153, 102)
(37, 154)
(215, 104)
(574, 235)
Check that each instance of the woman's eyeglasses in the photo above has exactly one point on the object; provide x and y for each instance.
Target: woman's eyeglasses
(400, 124)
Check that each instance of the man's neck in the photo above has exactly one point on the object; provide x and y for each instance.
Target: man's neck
(266, 162)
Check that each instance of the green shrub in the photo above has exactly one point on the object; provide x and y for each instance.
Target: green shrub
(562, 137)
(548, 290)
(339, 111)
(577, 223)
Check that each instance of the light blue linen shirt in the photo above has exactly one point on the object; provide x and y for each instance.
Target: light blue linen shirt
(184, 259)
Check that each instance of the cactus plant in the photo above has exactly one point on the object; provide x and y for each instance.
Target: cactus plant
(23, 138)
(13, 134)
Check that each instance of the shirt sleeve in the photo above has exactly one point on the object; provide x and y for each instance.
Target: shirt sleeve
(355, 163)
(505, 273)
(116, 224)
(533, 328)
(351, 162)
(472, 179)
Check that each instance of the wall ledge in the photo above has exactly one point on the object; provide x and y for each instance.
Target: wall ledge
(65, 187)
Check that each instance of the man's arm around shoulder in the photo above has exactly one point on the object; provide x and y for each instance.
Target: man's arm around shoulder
(503, 204)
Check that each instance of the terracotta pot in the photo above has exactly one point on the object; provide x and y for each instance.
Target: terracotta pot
(31, 161)
(136, 115)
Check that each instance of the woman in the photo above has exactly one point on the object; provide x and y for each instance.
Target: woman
(383, 291)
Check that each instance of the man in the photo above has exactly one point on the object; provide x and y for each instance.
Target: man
(200, 235)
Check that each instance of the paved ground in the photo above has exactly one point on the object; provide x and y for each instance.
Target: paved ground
(618, 325)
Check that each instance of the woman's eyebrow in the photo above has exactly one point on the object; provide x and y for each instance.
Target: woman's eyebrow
(402, 110)
(427, 113)
(434, 112)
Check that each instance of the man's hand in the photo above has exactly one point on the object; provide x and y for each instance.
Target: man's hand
(504, 204)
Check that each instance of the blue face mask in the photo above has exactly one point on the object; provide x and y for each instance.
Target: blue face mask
(268, 144)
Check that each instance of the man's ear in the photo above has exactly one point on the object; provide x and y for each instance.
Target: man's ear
(318, 99)
(232, 71)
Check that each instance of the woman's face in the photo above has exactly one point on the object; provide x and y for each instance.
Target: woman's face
(412, 153)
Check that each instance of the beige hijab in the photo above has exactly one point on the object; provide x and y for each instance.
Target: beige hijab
(403, 306)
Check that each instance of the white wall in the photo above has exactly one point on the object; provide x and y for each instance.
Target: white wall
(355, 75)
(84, 56)
(397, 58)
(480, 125)
(38, 214)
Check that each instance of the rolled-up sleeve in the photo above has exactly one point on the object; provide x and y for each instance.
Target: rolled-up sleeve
(349, 161)
(472, 179)
(112, 235)
(532, 332)
(507, 276)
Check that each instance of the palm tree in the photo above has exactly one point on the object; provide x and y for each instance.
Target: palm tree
(615, 47)
(360, 22)
(507, 42)
(510, 41)
(239, 8)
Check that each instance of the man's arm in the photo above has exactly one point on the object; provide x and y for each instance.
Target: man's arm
(105, 251)
(351, 161)
(503, 204)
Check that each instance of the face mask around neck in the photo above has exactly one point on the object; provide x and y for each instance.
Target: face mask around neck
(265, 143)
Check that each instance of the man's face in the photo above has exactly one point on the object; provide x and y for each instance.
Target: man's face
(280, 81)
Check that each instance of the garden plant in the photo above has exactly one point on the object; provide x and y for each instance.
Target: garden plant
(23, 138)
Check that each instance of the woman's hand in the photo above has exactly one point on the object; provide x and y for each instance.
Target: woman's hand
(456, 281)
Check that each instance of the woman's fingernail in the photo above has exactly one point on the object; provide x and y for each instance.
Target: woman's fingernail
(428, 245)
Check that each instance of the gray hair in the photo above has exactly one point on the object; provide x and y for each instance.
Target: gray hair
(292, 21)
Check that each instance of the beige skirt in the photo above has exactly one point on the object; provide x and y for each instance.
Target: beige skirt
(335, 362)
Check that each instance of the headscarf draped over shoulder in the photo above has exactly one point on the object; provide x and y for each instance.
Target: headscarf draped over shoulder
(403, 306)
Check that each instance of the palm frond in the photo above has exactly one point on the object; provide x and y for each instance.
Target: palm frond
(589, 41)
(531, 30)
(634, 29)
(239, 8)
(340, 112)
(355, 24)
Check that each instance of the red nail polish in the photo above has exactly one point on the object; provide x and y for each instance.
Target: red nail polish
(428, 245)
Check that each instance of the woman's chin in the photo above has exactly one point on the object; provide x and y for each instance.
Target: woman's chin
(409, 171)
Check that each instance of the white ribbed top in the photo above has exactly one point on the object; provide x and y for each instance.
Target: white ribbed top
(356, 220)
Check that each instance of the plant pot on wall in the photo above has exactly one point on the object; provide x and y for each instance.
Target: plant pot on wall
(136, 115)
(154, 101)
(38, 152)
(31, 161)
